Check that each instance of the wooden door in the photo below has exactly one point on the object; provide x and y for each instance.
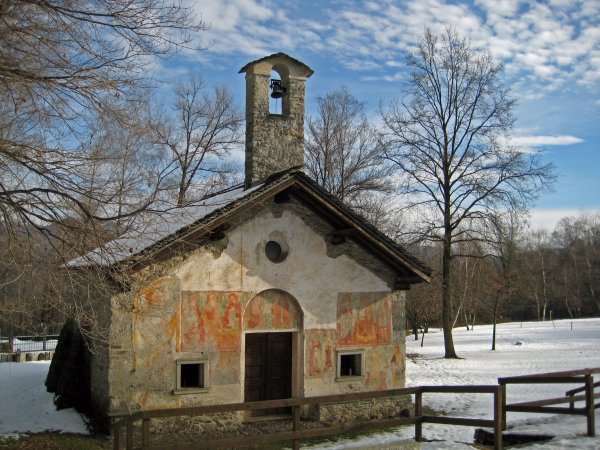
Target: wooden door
(268, 369)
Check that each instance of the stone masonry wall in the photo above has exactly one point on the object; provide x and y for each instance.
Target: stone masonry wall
(363, 410)
(274, 142)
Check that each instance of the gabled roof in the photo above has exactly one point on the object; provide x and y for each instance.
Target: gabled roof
(203, 219)
(308, 70)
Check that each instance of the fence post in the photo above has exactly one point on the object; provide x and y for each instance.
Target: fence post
(11, 339)
(117, 438)
(418, 416)
(145, 433)
(589, 404)
(129, 437)
(296, 414)
(44, 336)
(498, 423)
(571, 400)
(503, 402)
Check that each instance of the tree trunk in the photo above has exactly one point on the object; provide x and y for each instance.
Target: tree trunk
(537, 304)
(457, 315)
(544, 287)
(544, 312)
(446, 298)
(494, 323)
(567, 297)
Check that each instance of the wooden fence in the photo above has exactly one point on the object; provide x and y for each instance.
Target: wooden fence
(543, 406)
(498, 423)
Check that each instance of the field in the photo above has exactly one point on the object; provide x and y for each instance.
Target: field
(527, 348)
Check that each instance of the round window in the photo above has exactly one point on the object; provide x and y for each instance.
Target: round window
(275, 252)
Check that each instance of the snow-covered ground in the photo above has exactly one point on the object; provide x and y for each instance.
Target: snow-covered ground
(25, 406)
(520, 349)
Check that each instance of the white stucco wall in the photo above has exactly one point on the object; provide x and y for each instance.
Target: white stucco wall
(308, 273)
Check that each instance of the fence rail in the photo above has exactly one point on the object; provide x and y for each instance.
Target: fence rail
(28, 343)
(584, 376)
(498, 423)
(297, 434)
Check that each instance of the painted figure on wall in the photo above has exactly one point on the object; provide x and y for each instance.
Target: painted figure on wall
(210, 320)
(364, 319)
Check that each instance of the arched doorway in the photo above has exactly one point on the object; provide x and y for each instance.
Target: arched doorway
(273, 348)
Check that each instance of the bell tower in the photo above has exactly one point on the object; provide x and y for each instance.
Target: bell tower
(274, 142)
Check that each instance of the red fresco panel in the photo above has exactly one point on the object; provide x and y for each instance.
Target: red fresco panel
(210, 321)
(272, 310)
(364, 319)
(320, 349)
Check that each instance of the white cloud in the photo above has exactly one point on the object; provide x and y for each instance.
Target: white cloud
(548, 218)
(547, 44)
(543, 141)
(255, 28)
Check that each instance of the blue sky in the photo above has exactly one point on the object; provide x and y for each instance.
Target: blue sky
(550, 50)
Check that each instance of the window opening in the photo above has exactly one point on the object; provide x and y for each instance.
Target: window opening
(275, 251)
(277, 91)
(350, 364)
(191, 376)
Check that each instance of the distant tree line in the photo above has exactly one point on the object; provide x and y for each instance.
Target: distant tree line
(537, 276)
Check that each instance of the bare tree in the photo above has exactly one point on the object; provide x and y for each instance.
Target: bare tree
(343, 153)
(65, 67)
(200, 133)
(62, 64)
(504, 235)
(447, 141)
(423, 301)
(579, 241)
(468, 281)
(542, 267)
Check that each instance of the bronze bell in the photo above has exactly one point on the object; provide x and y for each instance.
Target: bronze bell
(277, 89)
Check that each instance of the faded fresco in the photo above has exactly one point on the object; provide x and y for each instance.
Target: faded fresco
(156, 306)
(320, 352)
(385, 367)
(364, 318)
(272, 310)
(210, 321)
(225, 367)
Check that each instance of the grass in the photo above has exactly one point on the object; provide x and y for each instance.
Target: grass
(56, 441)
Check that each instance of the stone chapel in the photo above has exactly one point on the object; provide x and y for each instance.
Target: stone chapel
(271, 289)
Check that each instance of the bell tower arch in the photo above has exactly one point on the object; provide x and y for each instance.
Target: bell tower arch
(274, 142)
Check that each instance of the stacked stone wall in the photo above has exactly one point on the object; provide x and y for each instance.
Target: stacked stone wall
(362, 410)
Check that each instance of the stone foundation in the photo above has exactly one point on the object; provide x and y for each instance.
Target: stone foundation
(228, 423)
(189, 429)
(380, 408)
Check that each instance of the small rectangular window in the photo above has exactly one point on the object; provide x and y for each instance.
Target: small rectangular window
(350, 364)
(192, 376)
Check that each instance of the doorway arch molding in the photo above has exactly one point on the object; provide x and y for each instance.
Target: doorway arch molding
(273, 310)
